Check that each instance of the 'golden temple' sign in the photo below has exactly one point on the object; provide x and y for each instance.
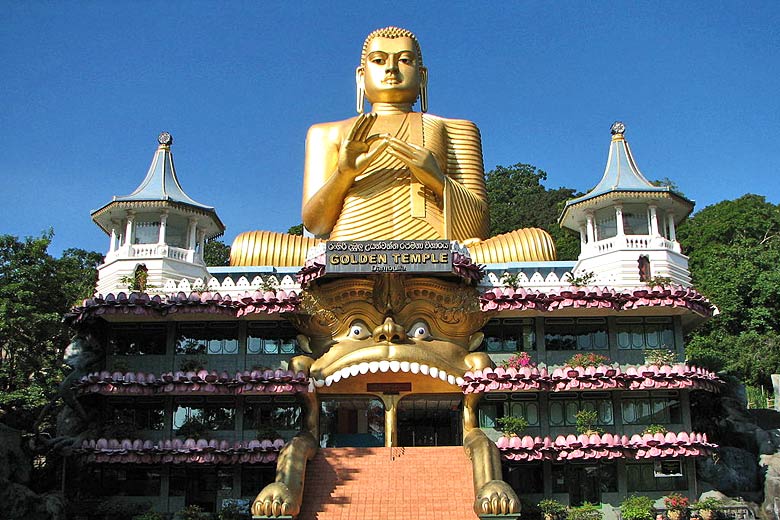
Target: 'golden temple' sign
(388, 256)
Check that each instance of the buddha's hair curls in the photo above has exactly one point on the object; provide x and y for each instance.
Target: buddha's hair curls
(392, 32)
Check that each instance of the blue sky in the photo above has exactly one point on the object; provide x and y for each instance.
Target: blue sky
(87, 86)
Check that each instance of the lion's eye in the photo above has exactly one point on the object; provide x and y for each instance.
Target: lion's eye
(358, 330)
(419, 331)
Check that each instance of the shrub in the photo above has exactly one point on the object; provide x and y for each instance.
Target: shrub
(518, 360)
(583, 279)
(511, 280)
(510, 426)
(637, 508)
(233, 511)
(192, 428)
(708, 503)
(586, 422)
(676, 502)
(655, 428)
(192, 512)
(587, 360)
(660, 356)
(586, 511)
(551, 507)
(149, 515)
(121, 509)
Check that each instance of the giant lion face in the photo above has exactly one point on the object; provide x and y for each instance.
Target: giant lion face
(391, 323)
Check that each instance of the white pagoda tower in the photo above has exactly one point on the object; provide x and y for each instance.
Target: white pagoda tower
(157, 233)
(627, 224)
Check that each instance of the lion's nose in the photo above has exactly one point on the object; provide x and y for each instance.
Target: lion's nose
(389, 331)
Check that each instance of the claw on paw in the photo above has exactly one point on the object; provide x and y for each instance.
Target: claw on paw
(496, 498)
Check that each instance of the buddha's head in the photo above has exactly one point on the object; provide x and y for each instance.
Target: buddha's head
(391, 69)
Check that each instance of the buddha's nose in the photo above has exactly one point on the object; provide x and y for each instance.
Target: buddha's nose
(391, 64)
(390, 331)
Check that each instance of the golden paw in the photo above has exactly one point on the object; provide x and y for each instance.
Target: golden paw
(496, 498)
(275, 500)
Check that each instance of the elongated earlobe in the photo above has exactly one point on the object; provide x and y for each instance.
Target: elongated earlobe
(361, 92)
(423, 89)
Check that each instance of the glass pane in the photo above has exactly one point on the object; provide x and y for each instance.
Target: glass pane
(572, 408)
(623, 337)
(556, 413)
(532, 414)
(254, 345)
(629, 412)
(487, 416)
(605, 412)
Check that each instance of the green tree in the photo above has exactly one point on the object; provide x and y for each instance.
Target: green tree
(734, 252)
(36, 289)
(296, 230)
(518, 199)
(216, 253)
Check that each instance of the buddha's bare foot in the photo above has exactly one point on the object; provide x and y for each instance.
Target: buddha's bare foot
(275, 500)
(496, 498)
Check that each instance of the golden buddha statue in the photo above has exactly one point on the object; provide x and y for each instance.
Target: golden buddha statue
(393, 174)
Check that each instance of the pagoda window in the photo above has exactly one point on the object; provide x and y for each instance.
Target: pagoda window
(606, 223)
(563, 408)
(509, 335)
(271, 337)
(264, 414)
(176, 232)
(524, 478)
(646, 409)
(568, 477)
(128, 416)
(645, 333)
(635, 219)
(496, 406)
(146, 232)
(197, 416)
(576, 334)
(641, 476)
(255, 478)
(138, 339)
(134, 481)
(207, 338)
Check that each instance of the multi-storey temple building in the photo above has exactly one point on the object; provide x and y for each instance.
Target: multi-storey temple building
(370, 370)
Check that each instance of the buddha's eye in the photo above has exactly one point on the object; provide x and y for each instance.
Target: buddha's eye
(419, 331)
(358, 330)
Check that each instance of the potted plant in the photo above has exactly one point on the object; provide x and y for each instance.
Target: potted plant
(587, 360)
(551, 509)
(149, 515)
(586, 422)
(512, 426)
(707, 507)
(192, 428)
(637, 508)
(660, 356)
(518, 360)
(677, 506)
(652, 429)
(192, 512)
(586, 511)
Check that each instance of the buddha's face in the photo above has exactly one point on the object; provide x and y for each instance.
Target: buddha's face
(391, 72)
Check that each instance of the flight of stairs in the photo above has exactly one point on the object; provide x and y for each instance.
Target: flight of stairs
(389, 484)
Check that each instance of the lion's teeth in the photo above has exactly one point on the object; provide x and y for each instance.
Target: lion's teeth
(442, 375)
(328, 380)
(424, 369)
(337, 377)
(384, 365)
(434, 372)
(345, 372)
(319, 383)
(451, 379)
(373, 367)
(459, 381)
(395, 366)
(404, 366)
(354, 370)
(414, 368)
(363, 367)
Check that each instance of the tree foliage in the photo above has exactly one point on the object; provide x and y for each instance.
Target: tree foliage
(734, 251)
(216, 253)
(36, 289)
(518, 199)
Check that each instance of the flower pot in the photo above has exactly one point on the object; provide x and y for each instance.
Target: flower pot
(707, 514)
(675, 514)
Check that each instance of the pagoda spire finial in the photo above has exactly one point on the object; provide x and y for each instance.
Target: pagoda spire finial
(165, 139)
(617, 129)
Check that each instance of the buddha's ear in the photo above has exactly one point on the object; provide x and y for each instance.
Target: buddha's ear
(423, 89)
(360, 83)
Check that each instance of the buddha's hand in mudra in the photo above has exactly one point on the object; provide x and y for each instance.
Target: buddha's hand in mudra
(420, 162)
(355, 153)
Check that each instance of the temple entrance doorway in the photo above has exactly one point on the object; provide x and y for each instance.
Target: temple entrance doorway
(430, 420)
(357, 422)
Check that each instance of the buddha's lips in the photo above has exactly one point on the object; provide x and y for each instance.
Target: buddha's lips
(410, 358)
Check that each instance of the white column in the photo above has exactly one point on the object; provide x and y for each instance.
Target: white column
(619, 220)
(112, 244)
(201, 242)
(591, 227)
(129, 228)
(672, 234)
(191, 237)
(583, 235)
(163, 224)
(654, 221)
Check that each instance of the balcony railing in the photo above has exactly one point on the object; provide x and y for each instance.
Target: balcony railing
(641, 242)
(155, 251)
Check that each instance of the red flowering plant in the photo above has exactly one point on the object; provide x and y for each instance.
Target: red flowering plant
(676, 502)
(587, 360)
(518, 360)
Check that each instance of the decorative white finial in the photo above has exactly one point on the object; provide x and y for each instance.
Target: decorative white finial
(165, 139)
(618, 128)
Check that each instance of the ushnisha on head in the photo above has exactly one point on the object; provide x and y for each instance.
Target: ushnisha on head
(391, 69)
